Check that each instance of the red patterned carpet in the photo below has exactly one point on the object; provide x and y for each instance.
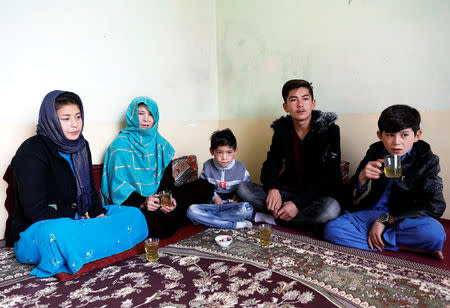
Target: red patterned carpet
(359, 277)
(325, 269)
(173, 281)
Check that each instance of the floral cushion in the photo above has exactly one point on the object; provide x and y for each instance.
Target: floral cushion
(184, 169)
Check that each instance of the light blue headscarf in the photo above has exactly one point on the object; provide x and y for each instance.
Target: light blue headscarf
(137, 158)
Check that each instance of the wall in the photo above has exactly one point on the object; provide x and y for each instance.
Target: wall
(108, 51)
(361, 55)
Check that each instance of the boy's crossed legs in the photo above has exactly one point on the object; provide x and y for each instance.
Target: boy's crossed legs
(311, 217)
(224, 216)
(421, 234)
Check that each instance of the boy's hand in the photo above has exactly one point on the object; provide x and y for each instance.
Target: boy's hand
(370, 171)
(287, 212)
(151, 203)
(375, 239)
(218, 200)
(273, 200)
(168, 209)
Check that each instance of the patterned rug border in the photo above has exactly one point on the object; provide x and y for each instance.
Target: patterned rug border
(368, 255)
(202, 254)
(308, 281)
(14, 280)
(311, 281)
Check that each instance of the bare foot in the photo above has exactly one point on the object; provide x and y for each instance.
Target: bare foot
(435, 254)
(438, 255)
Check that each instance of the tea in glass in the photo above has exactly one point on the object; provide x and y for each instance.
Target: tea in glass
(392, 166)
(151, 249)
(265, 234)
(165, 197)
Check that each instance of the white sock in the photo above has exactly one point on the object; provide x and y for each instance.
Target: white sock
(265, 217)
(244, 224)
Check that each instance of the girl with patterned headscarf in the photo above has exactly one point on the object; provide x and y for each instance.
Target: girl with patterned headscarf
(138, 165)
(59, 222)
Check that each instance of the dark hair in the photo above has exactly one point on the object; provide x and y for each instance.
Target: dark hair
(399, 117)
(144, 104)
(67, 98)
(295, 84)
(222, 138)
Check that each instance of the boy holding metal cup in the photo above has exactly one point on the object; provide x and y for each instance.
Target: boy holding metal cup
(398, 212)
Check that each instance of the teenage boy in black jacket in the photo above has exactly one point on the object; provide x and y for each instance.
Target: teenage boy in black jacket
(397, 212)
(302, 169)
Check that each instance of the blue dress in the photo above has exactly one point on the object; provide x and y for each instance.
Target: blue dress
(65, 244)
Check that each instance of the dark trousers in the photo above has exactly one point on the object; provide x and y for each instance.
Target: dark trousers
(312, 215)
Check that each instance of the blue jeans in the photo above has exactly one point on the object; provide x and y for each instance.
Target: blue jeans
(224, 216)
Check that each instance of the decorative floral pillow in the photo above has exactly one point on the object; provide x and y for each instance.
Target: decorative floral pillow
(184, 169)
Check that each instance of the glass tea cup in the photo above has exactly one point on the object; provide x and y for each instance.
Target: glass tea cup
(151, 249)
(392, 166)
(165, 198)
(265, 234)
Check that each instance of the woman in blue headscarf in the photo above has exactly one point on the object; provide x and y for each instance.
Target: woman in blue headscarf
(59, 222)
(138, 165)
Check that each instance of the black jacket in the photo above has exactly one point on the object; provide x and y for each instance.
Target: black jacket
(42, 178)
(417, 192)
(322, 156)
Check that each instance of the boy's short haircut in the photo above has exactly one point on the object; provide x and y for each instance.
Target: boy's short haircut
(294, 84)
(397, 118)
(223, 137)
(67, 98)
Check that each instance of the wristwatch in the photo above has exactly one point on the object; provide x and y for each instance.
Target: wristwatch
(386, 219)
